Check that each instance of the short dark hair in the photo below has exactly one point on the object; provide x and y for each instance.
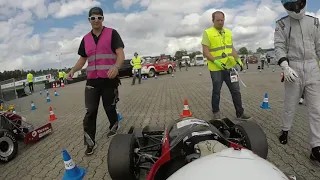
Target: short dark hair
(96, 10)
(216, 12)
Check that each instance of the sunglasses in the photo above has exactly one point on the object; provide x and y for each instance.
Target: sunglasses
(93, 18)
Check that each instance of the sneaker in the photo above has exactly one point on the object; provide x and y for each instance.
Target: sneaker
(301, 101)
(244, 117)
(315, 154)
(90, 149)
(283, 137)
(113, 131)
(217, 116)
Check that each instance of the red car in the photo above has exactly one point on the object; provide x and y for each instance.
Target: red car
(154, 66)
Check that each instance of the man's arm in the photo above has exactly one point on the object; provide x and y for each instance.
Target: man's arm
(117, 46)
(280, 44)
(205, 47)
(83, 57)
(80, 63)
(234, 53)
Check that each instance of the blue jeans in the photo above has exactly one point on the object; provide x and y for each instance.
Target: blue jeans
(218, 77)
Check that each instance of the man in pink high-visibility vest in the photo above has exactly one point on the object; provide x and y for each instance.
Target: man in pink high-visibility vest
(103, 49)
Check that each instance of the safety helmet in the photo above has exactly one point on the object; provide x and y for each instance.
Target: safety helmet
(243, 164)
(295, 8)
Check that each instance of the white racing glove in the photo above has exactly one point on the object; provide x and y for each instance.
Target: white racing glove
(289, 74)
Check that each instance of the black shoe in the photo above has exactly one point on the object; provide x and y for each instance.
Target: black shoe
(90, 149)
(113, 131)
(315, 154)
(284, 137)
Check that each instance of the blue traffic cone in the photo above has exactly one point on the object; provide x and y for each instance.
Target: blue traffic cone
(155, 76)
(47, 93)
(55, 93)
(48, 99)
(40, 92)
(265, 103)
(33, 107)
(73, 172)
(119, 116)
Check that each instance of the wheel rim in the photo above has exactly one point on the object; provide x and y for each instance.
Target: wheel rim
(151, 73)
(6, 146)
(240, 135)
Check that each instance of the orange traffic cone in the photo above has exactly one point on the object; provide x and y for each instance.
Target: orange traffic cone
(186, 111)
(54, 85)
(62, 84)
(52, 116)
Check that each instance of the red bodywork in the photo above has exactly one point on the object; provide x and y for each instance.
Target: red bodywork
(165, 155)
(37, 134)
(34, 135)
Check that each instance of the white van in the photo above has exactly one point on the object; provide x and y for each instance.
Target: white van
(184, 59)
(199, 60)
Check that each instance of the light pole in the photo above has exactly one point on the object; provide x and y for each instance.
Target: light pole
(59, 59)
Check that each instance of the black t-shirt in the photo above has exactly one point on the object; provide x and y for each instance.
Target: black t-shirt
(116, 42)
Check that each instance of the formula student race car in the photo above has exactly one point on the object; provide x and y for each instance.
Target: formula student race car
(14, 127)
(162, 152)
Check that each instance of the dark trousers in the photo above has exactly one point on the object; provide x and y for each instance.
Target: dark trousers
(31, 86)
(218, 77)
(247, 65)
(135, 76)
(262, 64)
(92, 100)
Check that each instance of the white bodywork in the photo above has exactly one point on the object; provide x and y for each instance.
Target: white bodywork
(199, 60)
(184, 58)
(229, 164)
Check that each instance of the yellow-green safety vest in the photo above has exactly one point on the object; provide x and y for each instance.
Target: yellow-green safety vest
(136, 62)
(64, 74)
(30, 77)
(60, 74)
(220, 44)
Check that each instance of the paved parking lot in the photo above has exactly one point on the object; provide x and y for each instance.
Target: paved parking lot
(155, 102)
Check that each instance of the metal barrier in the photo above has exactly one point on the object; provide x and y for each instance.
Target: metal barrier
(8, 90)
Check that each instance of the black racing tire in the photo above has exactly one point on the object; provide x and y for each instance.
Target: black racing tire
(254, 137)
(8, 146)
(170, 70)
(121, 158)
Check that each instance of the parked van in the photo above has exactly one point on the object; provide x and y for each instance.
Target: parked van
(199, 60)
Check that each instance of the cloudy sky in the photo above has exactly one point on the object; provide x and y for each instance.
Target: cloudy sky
(35, 34)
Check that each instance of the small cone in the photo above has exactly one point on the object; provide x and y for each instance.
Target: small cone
(55, 93)
(200, 73)
(265, 103)
(62, 84)
(155, 76)
(33, 107)
(48, 99)
(54, 85)
(273, 70)
(52, 116)
(73, 172)
(47, 93)
(40, 92)
(186, 111)
(244, 71)
(172, 75)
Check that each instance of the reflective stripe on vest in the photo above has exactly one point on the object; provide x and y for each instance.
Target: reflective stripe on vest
(136, 62)
(219, 45)
(101, 58)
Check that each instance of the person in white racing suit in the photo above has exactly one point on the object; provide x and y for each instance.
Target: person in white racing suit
(297, 49)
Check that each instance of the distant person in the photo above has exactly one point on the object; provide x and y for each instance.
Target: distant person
(30, 82)
(136, 62)
(268, 60)
(247, 62)
(103, 48)
(263, 60)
